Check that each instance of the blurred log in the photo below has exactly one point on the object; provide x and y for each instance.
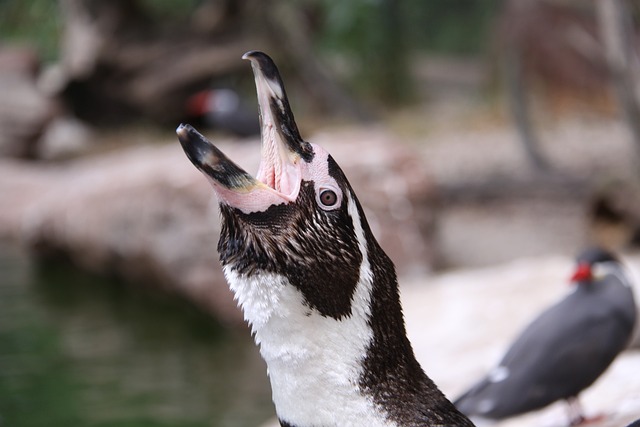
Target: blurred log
(146, 214)
(547, 186)
(141, 214)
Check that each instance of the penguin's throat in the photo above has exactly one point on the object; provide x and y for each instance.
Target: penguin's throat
(314, 361)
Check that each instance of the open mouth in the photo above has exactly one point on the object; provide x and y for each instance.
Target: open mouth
(279, 174)
(279, 168)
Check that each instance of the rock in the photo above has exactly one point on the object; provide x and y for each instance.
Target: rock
(64, 137)
(143, 214)
(147, 214)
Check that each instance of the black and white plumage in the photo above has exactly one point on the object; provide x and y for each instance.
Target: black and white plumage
(565, 349)
(320, 294)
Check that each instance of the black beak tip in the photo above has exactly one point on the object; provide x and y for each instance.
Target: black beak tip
(264, 63)
(194, 144)
(190, 137)
(185, 133)
(255, 55)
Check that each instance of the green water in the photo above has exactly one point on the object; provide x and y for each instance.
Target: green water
(76, 350)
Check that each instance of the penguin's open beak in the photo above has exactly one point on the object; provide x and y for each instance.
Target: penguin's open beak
(279, 130)
(279, 175)
(212, 162)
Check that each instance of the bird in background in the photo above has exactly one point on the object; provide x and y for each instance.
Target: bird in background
(320, 294)
(565, 349)
(223, 109)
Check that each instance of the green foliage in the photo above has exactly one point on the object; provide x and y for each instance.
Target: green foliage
(377, 36)
(450, 26)
(39, 23)
(36, 22)
(371, 34)
(169, 9)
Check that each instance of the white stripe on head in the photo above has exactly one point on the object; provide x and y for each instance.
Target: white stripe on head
(362, 296)
(616, 269)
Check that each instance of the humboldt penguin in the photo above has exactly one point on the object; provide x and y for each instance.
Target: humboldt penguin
(319, 292)
(565, 349)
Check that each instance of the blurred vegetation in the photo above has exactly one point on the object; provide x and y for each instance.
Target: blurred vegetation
(169, 9)
(437, 26)
(37, 22)
(376, 37)
(379, 36)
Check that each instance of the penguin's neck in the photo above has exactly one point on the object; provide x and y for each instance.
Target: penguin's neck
(324, 370)
(315, 363)
(355, 369)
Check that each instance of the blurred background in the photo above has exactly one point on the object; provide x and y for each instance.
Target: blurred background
(476, 134)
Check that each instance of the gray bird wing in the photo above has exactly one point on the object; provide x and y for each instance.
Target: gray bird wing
(559, 354)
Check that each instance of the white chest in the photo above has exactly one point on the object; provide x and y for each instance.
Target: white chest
(314, 362)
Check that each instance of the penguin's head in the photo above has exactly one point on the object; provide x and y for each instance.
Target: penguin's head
(298, 217)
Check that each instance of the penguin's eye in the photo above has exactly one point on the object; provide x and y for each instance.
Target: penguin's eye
(328, 198)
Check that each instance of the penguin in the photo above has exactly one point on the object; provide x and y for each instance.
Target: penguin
(565, 349)
(320, 294)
